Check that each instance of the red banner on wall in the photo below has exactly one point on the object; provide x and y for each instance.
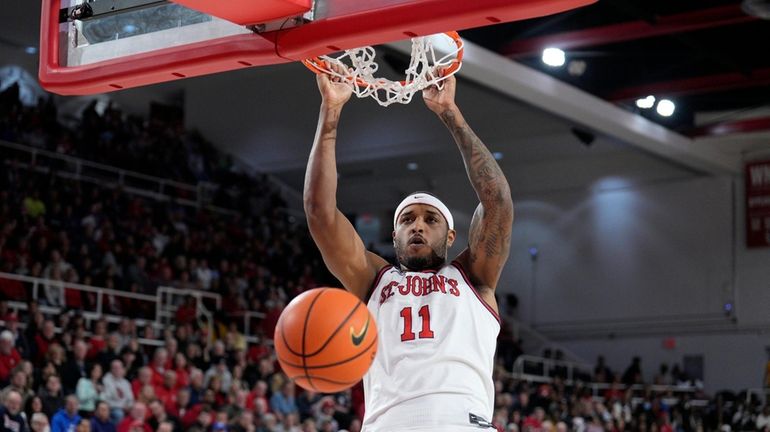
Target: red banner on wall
(758, 204)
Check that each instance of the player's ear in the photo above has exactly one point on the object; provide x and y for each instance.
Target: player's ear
(450, 237)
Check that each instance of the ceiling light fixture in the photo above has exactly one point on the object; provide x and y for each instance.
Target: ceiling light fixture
(554, 57)
(665, 108)
(646, 103)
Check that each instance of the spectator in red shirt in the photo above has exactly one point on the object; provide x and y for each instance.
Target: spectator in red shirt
(186, 312)
(182, 373)
(9, 357)
(98, 341)
(143, 378)
(43, 340)
(158, 366)
(135, 421)
(181, 404)
(167, 392)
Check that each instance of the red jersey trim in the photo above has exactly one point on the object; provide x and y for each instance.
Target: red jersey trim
(376, 282)
(459, 267)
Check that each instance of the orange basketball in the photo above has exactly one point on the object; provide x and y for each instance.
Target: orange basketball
(325, 340)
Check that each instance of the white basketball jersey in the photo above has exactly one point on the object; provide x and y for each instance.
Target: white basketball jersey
(437, 339)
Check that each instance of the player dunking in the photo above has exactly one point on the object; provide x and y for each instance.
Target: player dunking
(437, 321)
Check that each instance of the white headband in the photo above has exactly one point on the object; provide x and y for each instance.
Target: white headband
(423, 198)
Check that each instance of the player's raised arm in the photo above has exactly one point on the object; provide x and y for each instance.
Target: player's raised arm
(342, 249)
(490, 231)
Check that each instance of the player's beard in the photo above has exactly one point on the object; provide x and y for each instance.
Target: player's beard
(432, 261)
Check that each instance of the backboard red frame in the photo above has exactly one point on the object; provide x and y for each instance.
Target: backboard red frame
(338, 25)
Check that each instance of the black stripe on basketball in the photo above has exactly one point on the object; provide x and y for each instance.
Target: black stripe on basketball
(319, 378)
(304, 334)
(341, 362)
(283, 335)
(329, 339)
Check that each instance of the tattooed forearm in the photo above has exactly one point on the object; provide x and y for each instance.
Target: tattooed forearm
(490, 231)
(483, 171)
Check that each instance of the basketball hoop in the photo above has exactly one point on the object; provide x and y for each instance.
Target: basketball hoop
(426, 68)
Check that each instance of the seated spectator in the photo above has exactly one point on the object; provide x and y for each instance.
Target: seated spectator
(98, 340)
(9, 357)
(67, 418)
(20, 382)
(101, 421)
(181, 404)
(51, 396)
(143, 378)
(160, 362)
(39, 423)
(117, 391)
(10, 413)
(202, 422)
(45, 337)
(283, 402)
(181, 369)
(88, 390)
(135, 421)
(159, 415)
(763, 419)
(222, 373)
(83, 426)
(166, 393)
(243, 423)
(75, 368)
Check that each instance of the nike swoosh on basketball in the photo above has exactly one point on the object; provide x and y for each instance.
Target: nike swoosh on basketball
(358, 338)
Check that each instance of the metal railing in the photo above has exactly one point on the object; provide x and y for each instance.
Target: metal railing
(536, 342)
(163, 303)
(542, 370)
(198, 195)
(32, 286)
(759, 394)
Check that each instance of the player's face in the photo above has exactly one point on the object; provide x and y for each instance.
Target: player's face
(422, 238)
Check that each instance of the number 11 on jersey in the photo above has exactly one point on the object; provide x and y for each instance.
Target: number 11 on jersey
(425, 333)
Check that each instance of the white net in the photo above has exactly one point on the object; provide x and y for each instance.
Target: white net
(430, 65)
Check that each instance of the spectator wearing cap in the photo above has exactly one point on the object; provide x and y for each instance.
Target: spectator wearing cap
(9, 357)
(67, 418)
(11, 419)
(101, 422)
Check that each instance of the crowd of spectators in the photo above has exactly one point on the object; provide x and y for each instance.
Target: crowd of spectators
(64, 373)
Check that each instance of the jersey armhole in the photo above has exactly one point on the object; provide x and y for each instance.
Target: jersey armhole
(376, 282)
(459, 268)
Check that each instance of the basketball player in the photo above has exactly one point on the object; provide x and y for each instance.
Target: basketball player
(437, 320)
